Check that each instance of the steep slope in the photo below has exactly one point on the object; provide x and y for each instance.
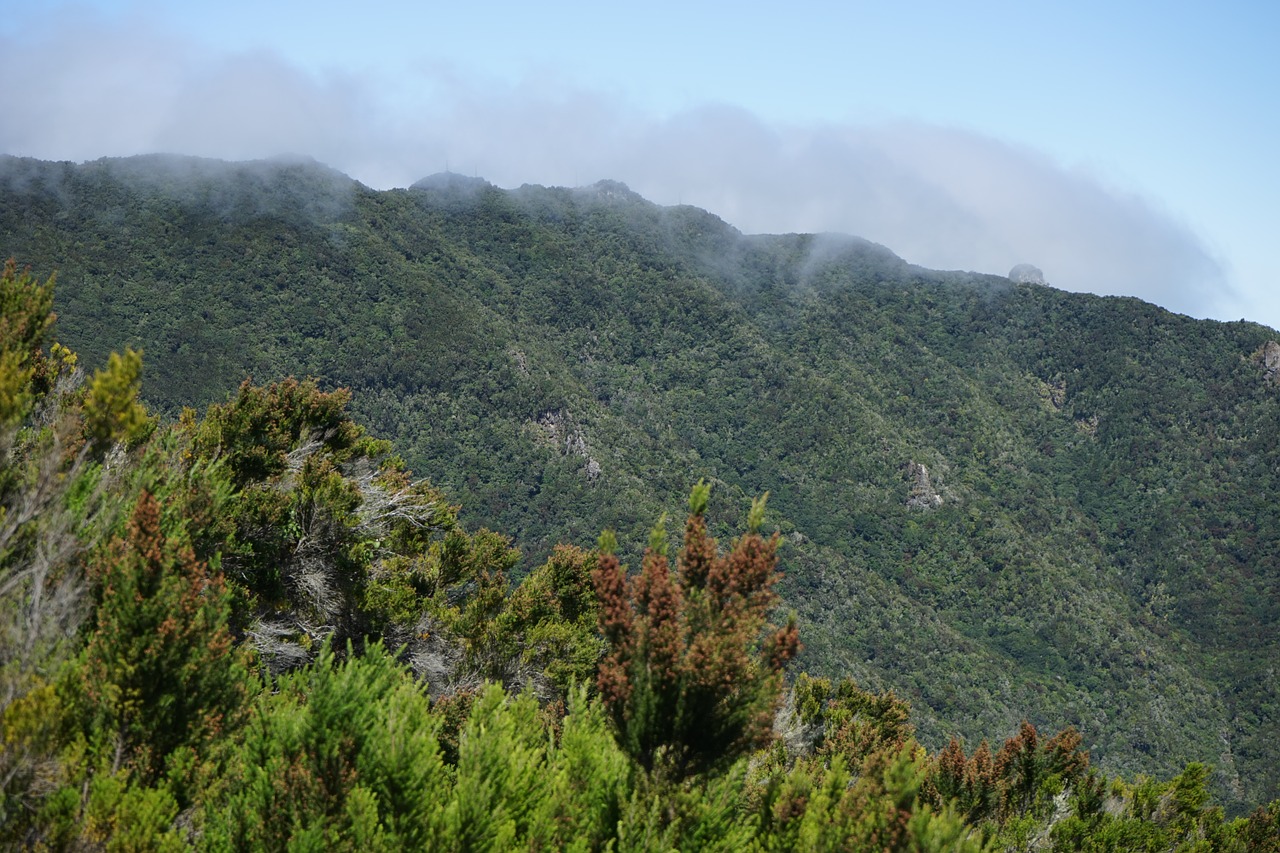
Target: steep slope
(1000, 499)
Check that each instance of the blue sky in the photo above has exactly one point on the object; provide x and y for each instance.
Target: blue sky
(1123, 147)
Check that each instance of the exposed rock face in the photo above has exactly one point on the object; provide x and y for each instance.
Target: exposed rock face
(922, 494)
(1053, 393)
(1268, 358)
(1058, 393)
(1026, 274)
(569, 441)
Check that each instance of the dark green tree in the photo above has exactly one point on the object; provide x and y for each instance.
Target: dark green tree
(159, 671)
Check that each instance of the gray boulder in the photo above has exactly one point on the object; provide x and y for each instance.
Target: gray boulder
(1026, 274)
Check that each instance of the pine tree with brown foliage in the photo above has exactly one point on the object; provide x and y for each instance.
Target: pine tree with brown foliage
(693, 672)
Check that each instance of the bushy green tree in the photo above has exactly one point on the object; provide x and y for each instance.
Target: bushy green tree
(26, 320)
(501, 773)
(112, 410)
(159, 671)
(543, 631)
(43, 472)
(588, 780)
(329, 537)
(341, 756)
(346, 755)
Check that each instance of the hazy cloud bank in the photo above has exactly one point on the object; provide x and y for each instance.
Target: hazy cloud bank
(940, 197)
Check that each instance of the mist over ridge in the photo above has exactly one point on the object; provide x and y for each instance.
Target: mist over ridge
(941, 196)
(330, 187)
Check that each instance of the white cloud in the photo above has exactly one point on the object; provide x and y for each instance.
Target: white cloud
(941, 197)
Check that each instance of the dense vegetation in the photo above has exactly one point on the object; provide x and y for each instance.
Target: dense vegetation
(215, 634)
(998, 500)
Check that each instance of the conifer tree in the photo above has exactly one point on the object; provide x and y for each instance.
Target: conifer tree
(692, 675)
(111, 409)
(159, 670)
(342, 756)
(26, 322)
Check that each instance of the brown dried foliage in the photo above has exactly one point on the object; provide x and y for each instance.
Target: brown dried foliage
(692, 675)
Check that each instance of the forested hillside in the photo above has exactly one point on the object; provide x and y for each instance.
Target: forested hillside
(251, 629)
(999, 500)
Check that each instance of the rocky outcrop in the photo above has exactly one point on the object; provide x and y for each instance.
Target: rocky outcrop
(568, 440)
(1053, 393)
(1026, 274)
(1267, 357)
(922, 494)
